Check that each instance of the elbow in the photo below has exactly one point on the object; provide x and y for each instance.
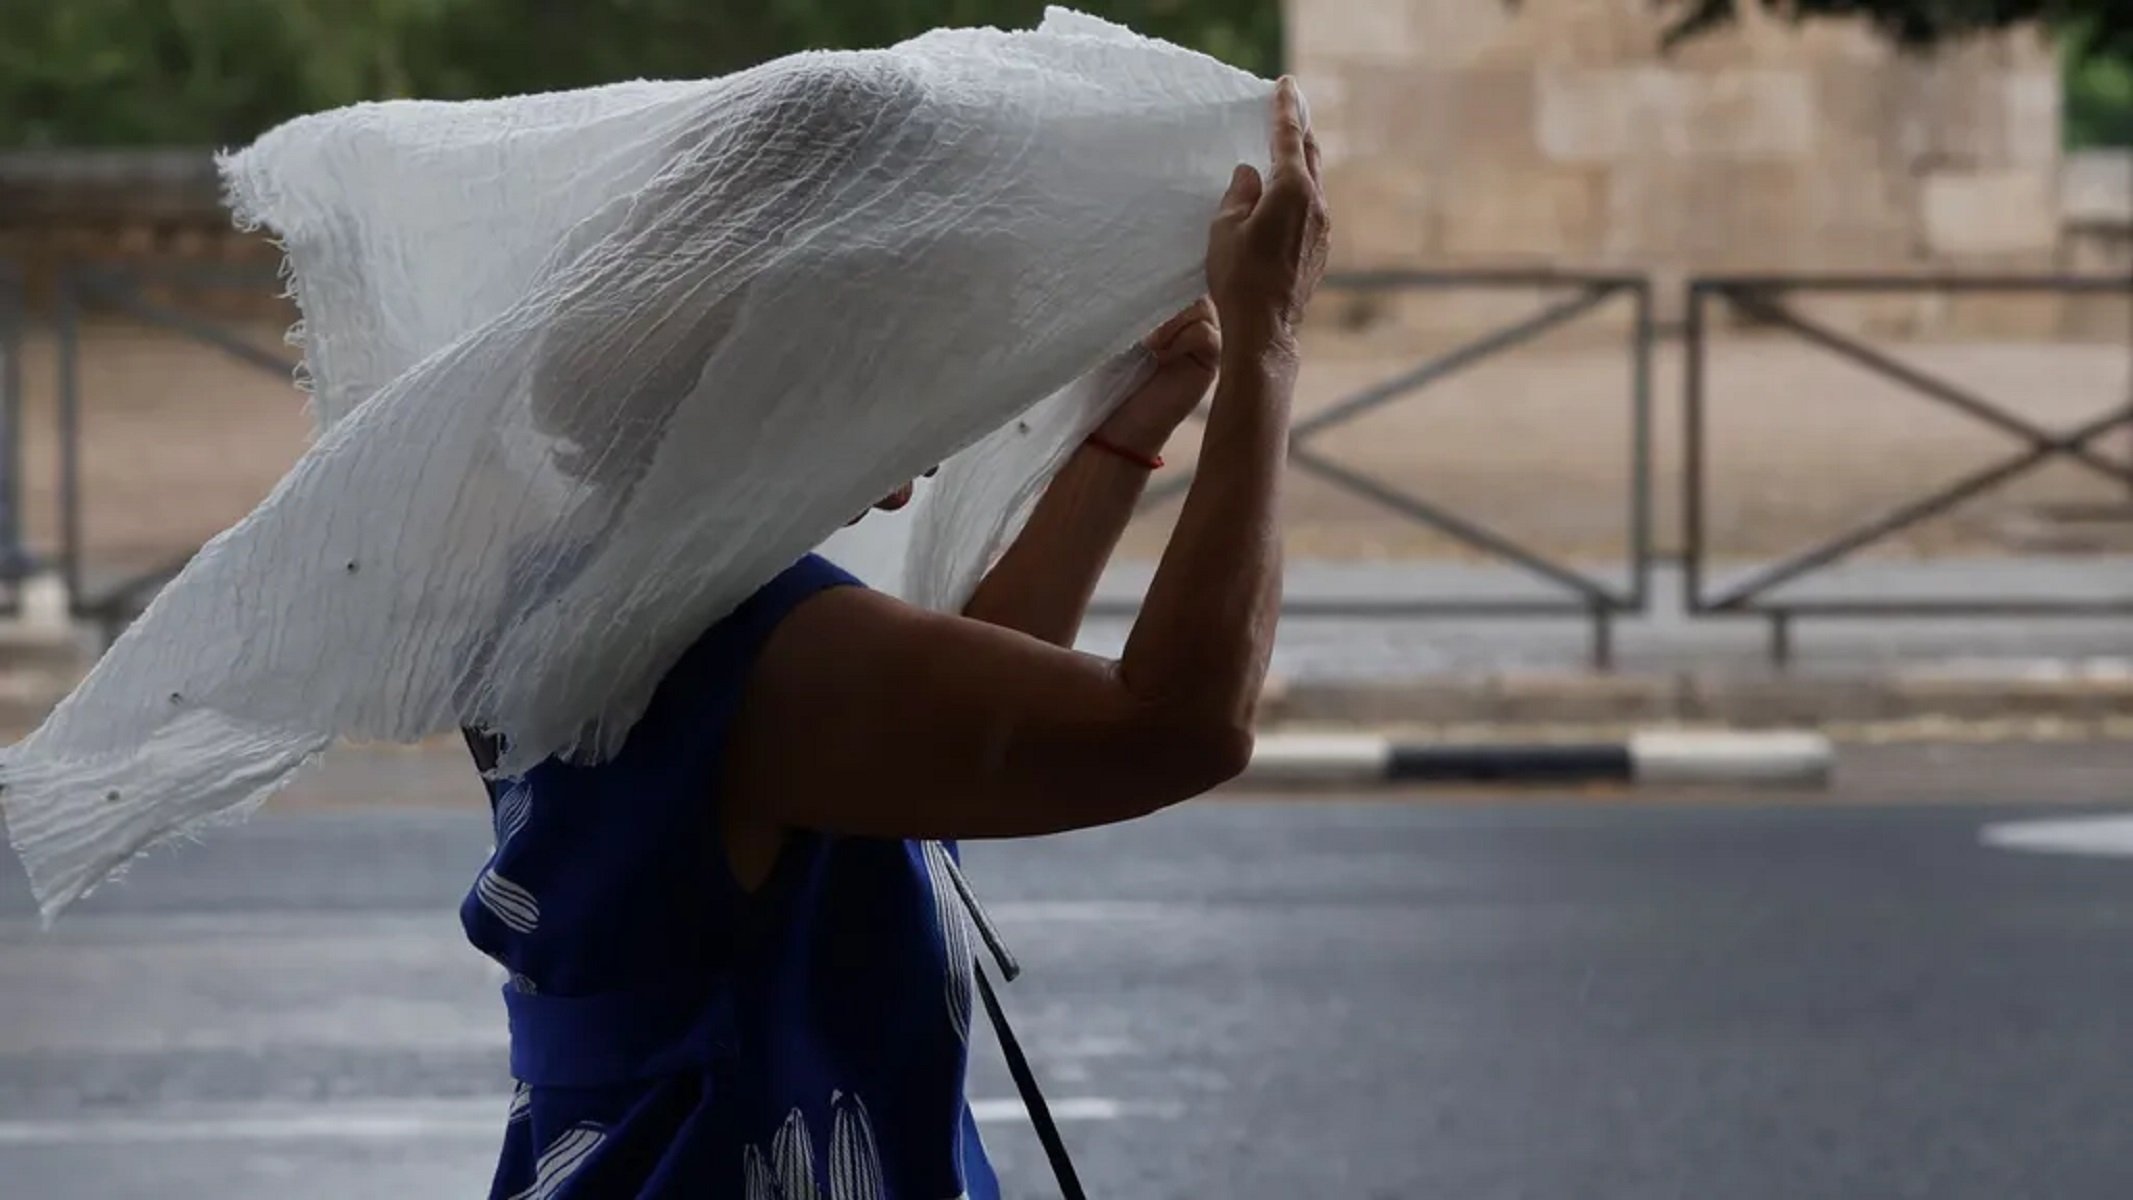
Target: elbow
(1195, 759)
(1228, 754)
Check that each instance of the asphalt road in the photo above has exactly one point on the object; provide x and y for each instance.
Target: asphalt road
(1320, 998)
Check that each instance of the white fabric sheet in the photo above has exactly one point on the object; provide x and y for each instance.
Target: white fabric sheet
(589, 368)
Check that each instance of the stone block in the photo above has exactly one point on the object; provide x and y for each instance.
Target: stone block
(1604, 115)
(1384, 212)
(1514, 215)
(1596, 115)
(1597, 33)
(1448, 120)
(1462, 33)
(1324, 31)
(1750, 115)
(2031, 120)
(1708, 216)
(2096, 190)
(1971, 214)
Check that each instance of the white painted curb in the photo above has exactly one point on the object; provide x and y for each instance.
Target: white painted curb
(1320, 758)
(1776, 758)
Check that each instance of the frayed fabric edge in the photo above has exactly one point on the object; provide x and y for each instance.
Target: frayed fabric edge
(57, 891)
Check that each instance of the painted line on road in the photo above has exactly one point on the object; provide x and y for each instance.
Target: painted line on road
(432, 1120)
(2107, 837)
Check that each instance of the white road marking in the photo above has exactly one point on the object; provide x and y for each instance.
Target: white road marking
(2110, 837)
(481, 1119)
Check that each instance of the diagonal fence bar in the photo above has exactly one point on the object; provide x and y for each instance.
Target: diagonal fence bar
(1902, 517)
(1452, 525)
(1763, 297)
(1919, 381)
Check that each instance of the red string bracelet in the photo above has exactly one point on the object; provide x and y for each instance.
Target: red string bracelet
(1152, 462)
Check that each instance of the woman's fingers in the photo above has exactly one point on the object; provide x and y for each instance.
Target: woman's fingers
(1201, 311)
(1290, 135)
(1199, 342)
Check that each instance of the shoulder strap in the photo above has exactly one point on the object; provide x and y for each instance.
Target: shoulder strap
(1040, 1113)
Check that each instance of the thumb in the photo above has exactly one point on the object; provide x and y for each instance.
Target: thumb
(1243, 194)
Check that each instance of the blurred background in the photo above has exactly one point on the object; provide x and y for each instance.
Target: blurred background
(1700, 725)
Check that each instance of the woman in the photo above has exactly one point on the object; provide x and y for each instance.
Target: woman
(738, 968)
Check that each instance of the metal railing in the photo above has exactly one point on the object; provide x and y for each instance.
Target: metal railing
(1579, 594)
(114, 602)
(15, 561)
(1762, 299)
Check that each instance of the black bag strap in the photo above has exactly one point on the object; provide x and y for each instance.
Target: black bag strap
(1040, 1113)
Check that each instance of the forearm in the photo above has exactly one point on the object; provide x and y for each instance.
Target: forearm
(1043, 584)
(1205, 632)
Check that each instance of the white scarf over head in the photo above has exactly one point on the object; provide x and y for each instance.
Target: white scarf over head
(589, 368)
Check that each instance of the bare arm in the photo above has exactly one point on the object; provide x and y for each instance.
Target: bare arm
(1043, 584)
(866, 716)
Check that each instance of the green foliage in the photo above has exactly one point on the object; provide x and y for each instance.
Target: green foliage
(2099, 92)
(2106, 25)
(140, 72)
(145, 72)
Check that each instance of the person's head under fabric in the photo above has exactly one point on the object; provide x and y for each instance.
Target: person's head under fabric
(740, 961)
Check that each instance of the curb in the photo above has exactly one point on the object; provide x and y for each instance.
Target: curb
(1659, 757)
(2081, 690)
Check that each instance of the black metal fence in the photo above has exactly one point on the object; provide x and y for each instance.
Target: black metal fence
(1763, 300)
(1579, 594)
(113, 601)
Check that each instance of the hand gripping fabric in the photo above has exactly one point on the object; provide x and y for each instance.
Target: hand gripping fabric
(589, 368)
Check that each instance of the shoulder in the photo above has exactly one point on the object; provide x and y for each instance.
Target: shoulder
(725, 655)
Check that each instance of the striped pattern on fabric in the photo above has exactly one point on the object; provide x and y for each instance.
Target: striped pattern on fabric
(513, 905)
(563, 1158)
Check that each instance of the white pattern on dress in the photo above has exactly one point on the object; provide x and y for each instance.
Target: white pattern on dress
(512, 809)
(562, 1159)
(958, 940)
(788, 1173)
(513, 905)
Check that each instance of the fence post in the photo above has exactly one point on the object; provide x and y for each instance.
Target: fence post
(1692, 357)
(1640, 446)
(12, 314)
(66, 316)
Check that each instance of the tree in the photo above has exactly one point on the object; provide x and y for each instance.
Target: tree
(2098, 27)
(139, 72)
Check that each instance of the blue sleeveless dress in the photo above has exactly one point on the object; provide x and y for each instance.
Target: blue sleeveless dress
(675, 1036)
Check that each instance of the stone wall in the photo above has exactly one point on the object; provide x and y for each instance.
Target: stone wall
(1561, 133)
